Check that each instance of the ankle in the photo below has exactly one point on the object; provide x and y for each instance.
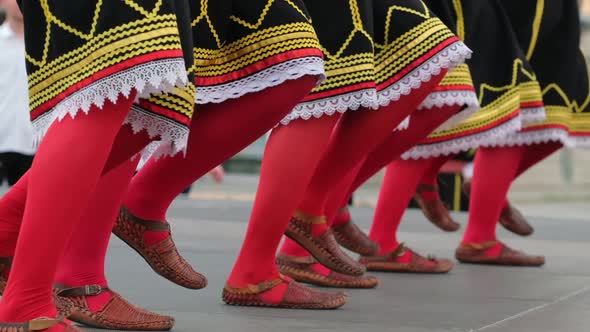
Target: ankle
(491, 248)
(242, 277)
(154, 237)
(388, 247)
(97, 302)
(317, 223)
(341, 218)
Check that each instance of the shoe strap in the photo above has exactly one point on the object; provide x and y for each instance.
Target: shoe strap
(150, 225)
(307, 219)
(479, 246)
(88, 290)
(258, 288)
(399, 251)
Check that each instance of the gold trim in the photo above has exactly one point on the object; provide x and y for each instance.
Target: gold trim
(99, 53)
(536, 27)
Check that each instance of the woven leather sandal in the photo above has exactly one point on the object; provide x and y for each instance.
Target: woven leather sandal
(162, 257)
(300, 269)
(390, 263)
(514, 221)
(117, 314)
(351, 237)
(324, 248)
(296, 296)
(474, 253)
(39, 324)
(435, 211)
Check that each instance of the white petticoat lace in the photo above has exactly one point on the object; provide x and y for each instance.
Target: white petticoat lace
(465, 98)
(448, 58)
(532, 115)
(332, 105)
(457, 145)
(544, 136)
(269, 77)
(159, 76)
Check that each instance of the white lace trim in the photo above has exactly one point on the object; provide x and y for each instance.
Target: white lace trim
(448, 98)
(329, 106)
(404, 124)
(269, 77)
(543, 136)
(532, 115)
(172, 135)
(457, 145)
(448, 58)
(158, 76)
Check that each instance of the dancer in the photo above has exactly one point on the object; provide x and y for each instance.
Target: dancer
(503, 110)
(397, 23)
(73, 70)
(562, 72)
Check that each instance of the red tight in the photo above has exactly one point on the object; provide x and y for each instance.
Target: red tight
(292, 153)
(357, 135)
(65, 161)
(218, 131)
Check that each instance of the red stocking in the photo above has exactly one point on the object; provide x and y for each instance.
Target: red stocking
(358, 134)
(12, 204)
(84, 259)
(292, 154)
(422, 123)
(430, 176)
(65, 161)
(494, 170)
(218, 131)
(532, 156)
(398, 187)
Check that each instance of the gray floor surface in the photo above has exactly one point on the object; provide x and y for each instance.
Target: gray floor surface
(470, 298)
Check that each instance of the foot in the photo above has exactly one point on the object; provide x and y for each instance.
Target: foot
(163, 257)
(58, 324)
(351, 237)
(308, 270)
(435, 210)
(515, 222)
(495, 253)
(295, 296)
(323, 246)
(403, 259)
(115, 314)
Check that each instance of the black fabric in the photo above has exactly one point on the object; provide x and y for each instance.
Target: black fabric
(13, 166)
(332, 36)
(490, 35)
(556, 58)
(79, 14)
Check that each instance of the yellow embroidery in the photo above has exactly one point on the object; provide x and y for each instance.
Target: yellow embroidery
(536, 27)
